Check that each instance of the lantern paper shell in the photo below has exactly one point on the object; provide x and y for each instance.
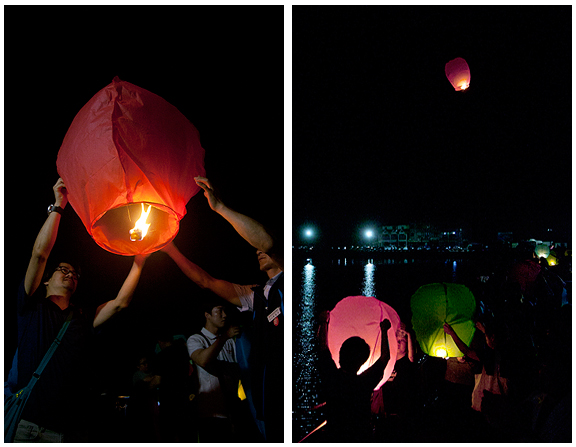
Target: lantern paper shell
(458, 73)
(435, 304)
(360, 316)
(128, 146)
(542, 250)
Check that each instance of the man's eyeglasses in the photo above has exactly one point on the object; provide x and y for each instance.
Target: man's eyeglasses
(66, 270)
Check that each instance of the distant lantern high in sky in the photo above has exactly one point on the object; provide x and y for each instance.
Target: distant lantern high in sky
(458, 73)
(127, 148)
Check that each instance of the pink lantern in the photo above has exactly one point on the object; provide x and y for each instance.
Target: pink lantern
(360, 316)
(458, 73)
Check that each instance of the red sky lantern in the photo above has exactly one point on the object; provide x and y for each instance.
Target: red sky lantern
(360, 316)
(130, 154)
(458, 73)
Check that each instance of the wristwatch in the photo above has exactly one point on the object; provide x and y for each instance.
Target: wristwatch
(55, 209)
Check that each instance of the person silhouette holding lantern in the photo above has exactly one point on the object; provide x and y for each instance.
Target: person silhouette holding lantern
(348, 393)
(260, 353)
(56, 404)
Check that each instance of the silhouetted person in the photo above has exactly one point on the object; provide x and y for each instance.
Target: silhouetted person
(492, 396)
(347, 392)
(143, 412)
(172, 365)
(395, 401)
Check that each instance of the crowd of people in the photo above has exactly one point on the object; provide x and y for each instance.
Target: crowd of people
(511, 384)
(189, 390)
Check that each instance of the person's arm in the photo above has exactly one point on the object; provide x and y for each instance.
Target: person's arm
(480, 327)
(251, 230)
(107, 310)
(152, 381)
(410, 347)
(203, 279)
(206, 358)
(323, 330)
(45, 241)
(460, 344)
(326, 365)
(384, 346)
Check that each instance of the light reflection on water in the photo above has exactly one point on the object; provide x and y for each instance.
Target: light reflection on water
(306, 381)
(368, 285)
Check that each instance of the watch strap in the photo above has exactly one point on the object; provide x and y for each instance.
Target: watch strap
(55, 209)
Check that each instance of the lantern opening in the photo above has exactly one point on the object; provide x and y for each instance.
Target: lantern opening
(141, 228)
(110, 230)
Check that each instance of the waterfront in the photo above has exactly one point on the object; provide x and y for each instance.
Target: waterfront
(320, 281)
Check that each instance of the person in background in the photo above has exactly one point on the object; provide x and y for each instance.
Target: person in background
(213, 351)
(262, 359)
(172, 366)
(143, 411)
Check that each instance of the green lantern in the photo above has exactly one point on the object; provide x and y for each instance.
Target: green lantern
(542, 250)
(435, 304)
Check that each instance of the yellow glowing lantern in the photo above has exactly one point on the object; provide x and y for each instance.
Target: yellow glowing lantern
(458, 73)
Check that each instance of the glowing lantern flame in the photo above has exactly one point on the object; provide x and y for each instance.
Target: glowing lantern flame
(141, 228)
(441, 352)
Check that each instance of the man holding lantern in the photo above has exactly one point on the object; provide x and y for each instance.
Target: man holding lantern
(52, 410)
(263, 356)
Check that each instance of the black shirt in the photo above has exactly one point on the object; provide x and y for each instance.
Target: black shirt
(57, 400)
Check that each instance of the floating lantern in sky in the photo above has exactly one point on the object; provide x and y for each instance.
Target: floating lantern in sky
(458, 73)
(360, 316)
(435, 304)
(127, 148)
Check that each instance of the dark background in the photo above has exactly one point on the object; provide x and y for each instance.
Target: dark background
(381, 137)
(223, 68)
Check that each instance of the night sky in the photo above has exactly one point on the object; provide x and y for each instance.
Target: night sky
(381, 137)
(378, 133)
(223, 68)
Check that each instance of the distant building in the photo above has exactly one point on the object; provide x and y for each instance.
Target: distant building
(418, 235)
